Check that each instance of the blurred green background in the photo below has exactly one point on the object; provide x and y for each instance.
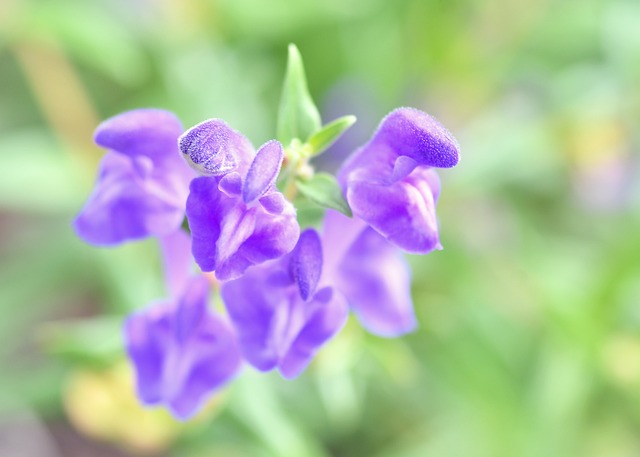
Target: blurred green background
(529, 339)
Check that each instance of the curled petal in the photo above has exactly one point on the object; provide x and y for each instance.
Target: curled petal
(213, 148)
(406, 138)
(415, 134)
(263, 171)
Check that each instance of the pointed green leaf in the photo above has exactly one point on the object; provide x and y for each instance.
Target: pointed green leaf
(324, 190)
(298, 116)
(329, 133)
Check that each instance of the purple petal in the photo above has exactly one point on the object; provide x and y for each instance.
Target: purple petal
(177, 260)
(214, 359)
(237, 226)
(252, 304)
(214, 148)
(125, 206)
(228, 237)
(306, 263)
(147, 336)
(330, 316)
(205, 207)
(403, 212)
(274, 203)
(376, 279)
(402, 167)
(415, 134)
(338, 235)
(273, 237)
(405, 133)
(231, 184)
(181, 351)
(143, 132)
(191, 309)
(263, 171)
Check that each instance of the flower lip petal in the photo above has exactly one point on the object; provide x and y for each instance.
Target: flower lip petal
(207, 147)
(306, 263)
(263, 170)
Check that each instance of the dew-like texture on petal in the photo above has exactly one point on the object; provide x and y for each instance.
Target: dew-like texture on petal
(371, 273)
(276, 327)
(263, 171)
(213, 148)
(142, 184)
(403, 212)
(181, 351)
(229, 236)
(405, 132)
(390, 184)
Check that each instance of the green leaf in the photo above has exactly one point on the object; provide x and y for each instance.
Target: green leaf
(324, 190)
(95, 341)
(298, 116)
(328, 134)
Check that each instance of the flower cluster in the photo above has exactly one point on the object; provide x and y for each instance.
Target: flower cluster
(286, 291)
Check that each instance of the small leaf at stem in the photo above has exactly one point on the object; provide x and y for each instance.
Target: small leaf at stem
(298, 116)
(328, 134)
(323, 189)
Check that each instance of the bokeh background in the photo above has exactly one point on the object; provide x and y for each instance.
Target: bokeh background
(529, 339)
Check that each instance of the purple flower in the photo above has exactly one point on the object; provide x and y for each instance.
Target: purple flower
(241, 219)
(371, 273)
(181, 351)
(143, 183)
(280, 314)
(389, 182)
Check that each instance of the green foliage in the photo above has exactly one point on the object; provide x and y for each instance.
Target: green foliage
(298, 116)
(96, 342)
(323, 189)
(322, 139)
